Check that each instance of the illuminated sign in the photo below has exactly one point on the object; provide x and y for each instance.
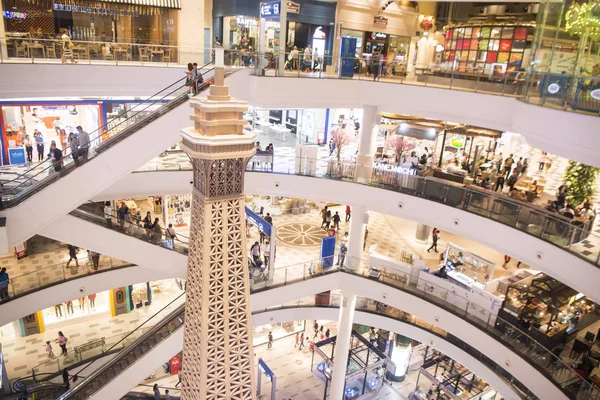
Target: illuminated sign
(262, 225)
(14, 15)
(94, 10)
(270, 9)
(399, 170)
(378, 19)
(378, 36)
(553, 88)
(595, 94)
(293, 8)
(247, 21)
(457, 142)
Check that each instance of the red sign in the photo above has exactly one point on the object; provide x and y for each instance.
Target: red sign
(175, 364)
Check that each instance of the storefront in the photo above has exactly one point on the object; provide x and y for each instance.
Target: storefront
(49, 118)
(308, 22)
(132, 21)
(547, 309)
(279, 331)
(491, 49)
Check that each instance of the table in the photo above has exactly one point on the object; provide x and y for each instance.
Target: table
(279, 131)
(37, 47)
(123, 52)
(159, 53)
(81, 51)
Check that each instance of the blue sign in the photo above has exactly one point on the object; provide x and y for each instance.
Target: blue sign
(16, 156)
(347, 54)
(257, 221)
(270, 9)
(265, 369)
(327, 251)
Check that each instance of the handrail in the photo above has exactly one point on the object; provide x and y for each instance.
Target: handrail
(97, 135)
(528, 218)
(175, 315)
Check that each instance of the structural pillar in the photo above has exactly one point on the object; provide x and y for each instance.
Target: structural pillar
(422, 233)
(282, 36)
(217, 347)
(190, 33)
(366, 144)
(356, 241)
(342, 346)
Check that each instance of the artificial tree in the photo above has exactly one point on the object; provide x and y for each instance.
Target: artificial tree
(400, 146)
(340, 138)
(581, 180)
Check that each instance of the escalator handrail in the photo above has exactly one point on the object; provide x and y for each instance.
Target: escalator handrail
(142, 338)
(105, 144)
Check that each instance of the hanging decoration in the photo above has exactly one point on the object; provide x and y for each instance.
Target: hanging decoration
(584, 19)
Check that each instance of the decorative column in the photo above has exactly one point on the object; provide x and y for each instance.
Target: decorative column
(217, 348)
(356, 240)
(366, 144)
(342, 346)
(422, 233)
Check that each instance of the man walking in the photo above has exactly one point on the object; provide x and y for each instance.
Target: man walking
(270, 343)
(83, 141)
(336, 220)
(435, 235)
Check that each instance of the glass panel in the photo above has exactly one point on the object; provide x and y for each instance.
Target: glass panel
(492, 56)
(507, 33)
(494, 45)
(459, 44)
(485, 32)
(468, 32)
(505, 45)
(518, 45)
(502, 57)
(474, 44)
(521, 33)
(495, 33)
(472, 55)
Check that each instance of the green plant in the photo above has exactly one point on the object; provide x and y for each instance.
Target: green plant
(581, 180)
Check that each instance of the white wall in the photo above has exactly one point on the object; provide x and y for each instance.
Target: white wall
(358, 15)
(554, 261)
(73, 289)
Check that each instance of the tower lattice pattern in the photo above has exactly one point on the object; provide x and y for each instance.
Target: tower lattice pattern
(218, 358)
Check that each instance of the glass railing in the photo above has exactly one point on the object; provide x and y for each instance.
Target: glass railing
(133, 352)
(535, 220)
(377, 308)
(42, 278)
(544, 360)
(43, 174)
(90, 351)
(383, 70)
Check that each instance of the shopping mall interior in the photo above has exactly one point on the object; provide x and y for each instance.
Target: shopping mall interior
(243, 200)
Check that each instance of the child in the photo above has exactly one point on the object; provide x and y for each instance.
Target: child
(49, 349)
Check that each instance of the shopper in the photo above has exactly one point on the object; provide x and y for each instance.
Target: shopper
(95, 259)
(269, 219)
(297, 339)
(255, 251)
(327, 333)
(328, 219)
(323, 217)
(266, 251)
(148, 223)
(170, 237)
(512, 180)
(83, 140)
(28, 148)
(519, 167)
(39, 143)
(301, 341)
(306, 59)
(62, 342)
(336, 220)
(122, 213)
(342, 255)
(58, 310)
(348, 213)
(189, 81)
(167, 395)
(506, 261)
(70, 310)
(156, 231)
(435, 235)
(56, 157)
(65, 377)
(508, 165)
(73, 148)
(156, 391)
(92, 299)
(73, 255)
(270, 340)
(81, 303)
(49, 349)
(108, 214)
(499, 183)
(67, 47)
(366, 235)
(4, 281)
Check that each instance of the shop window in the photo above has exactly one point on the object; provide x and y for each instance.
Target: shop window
(505, 45)
(503, 57)
(521, 33)
(494, 45)
(507, 33)
(495, 33)
(518, 45)
(492, 56)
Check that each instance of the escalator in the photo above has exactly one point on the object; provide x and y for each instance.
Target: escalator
(41, 194)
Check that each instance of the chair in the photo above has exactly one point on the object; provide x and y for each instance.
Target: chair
(167, 56)
(22, 49)
(143, 55)
(51, 51)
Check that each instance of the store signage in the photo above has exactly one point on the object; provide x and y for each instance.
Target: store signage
(553, 88)
(16, 156)
(595, 94)
(293, 8)
(257, 221)
(400, 170)
(378, 36)
(380, 20)
(95, 10)
(270, 9)
(457, 142)
(247, 21)
(14, 15)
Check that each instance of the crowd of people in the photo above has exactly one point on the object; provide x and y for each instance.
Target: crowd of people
(194, 78)
(78, 144)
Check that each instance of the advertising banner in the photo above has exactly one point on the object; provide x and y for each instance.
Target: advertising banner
(327, 251)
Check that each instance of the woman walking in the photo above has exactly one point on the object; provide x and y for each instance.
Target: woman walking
(62, 342)
(28, 148)
(67, 47)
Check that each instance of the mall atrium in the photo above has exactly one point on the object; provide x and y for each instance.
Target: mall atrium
(300, 199)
